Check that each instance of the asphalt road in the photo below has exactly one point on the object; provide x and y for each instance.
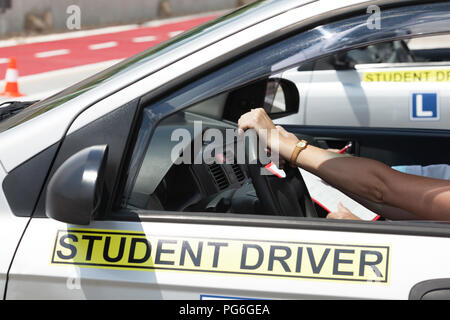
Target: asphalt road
(48, 64)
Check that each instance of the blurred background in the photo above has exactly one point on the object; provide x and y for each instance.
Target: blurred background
(47, 45)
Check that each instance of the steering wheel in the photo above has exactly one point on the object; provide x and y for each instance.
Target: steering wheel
(278, 196)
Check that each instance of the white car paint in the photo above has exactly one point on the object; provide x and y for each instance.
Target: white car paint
(11, 229)
(349, 101)
(70, 282)
(32, 268)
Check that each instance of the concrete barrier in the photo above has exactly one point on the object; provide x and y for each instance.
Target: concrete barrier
(44, 16)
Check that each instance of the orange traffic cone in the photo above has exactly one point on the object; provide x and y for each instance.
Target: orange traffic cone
(12, 76)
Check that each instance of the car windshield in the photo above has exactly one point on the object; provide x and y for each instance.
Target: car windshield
(137, 61)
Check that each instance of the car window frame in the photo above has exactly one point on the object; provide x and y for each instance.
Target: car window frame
(121, 214)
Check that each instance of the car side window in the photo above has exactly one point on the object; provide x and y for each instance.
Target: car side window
(220, 97)
(391, 84)
(192, 162)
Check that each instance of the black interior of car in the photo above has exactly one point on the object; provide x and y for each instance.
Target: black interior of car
(227, 186)
(396, 51)
(223, 183)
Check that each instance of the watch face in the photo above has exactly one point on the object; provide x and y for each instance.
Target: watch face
(301, 144)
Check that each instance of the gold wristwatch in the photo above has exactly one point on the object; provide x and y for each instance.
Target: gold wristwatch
(300, 146)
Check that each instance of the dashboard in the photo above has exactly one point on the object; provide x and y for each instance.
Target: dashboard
(207, 188)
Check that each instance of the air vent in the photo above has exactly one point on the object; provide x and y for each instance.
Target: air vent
(238, 172)
(219, 176)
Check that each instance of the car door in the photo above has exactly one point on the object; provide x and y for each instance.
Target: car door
(142, 253)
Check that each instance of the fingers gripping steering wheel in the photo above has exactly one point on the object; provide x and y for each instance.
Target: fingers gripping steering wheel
(278, 196)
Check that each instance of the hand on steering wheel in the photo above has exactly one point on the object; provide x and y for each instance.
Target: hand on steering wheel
(285, 197)
(275, 137)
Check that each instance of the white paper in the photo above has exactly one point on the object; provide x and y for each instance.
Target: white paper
(329, 197)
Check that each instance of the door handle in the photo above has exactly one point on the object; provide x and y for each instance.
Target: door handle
(436, 289)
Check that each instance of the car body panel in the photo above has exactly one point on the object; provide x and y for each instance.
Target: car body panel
(409, 262)
(352, 101)
(37, 271)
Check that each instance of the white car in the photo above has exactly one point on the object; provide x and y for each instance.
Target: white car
(93, 205)
(395, 84)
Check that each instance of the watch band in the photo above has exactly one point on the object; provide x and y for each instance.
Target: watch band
(300, 146)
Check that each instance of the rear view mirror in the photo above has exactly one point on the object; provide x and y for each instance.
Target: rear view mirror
(74, 192)
(279, 97)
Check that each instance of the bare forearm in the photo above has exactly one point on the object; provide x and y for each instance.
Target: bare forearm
(366, 178)
(378, 183)
(386, 211)
(362, 177)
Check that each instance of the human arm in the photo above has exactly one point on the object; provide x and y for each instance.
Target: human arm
(366, 178)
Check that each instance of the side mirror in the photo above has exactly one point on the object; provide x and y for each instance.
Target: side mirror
(282, 98)
(74, 192)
